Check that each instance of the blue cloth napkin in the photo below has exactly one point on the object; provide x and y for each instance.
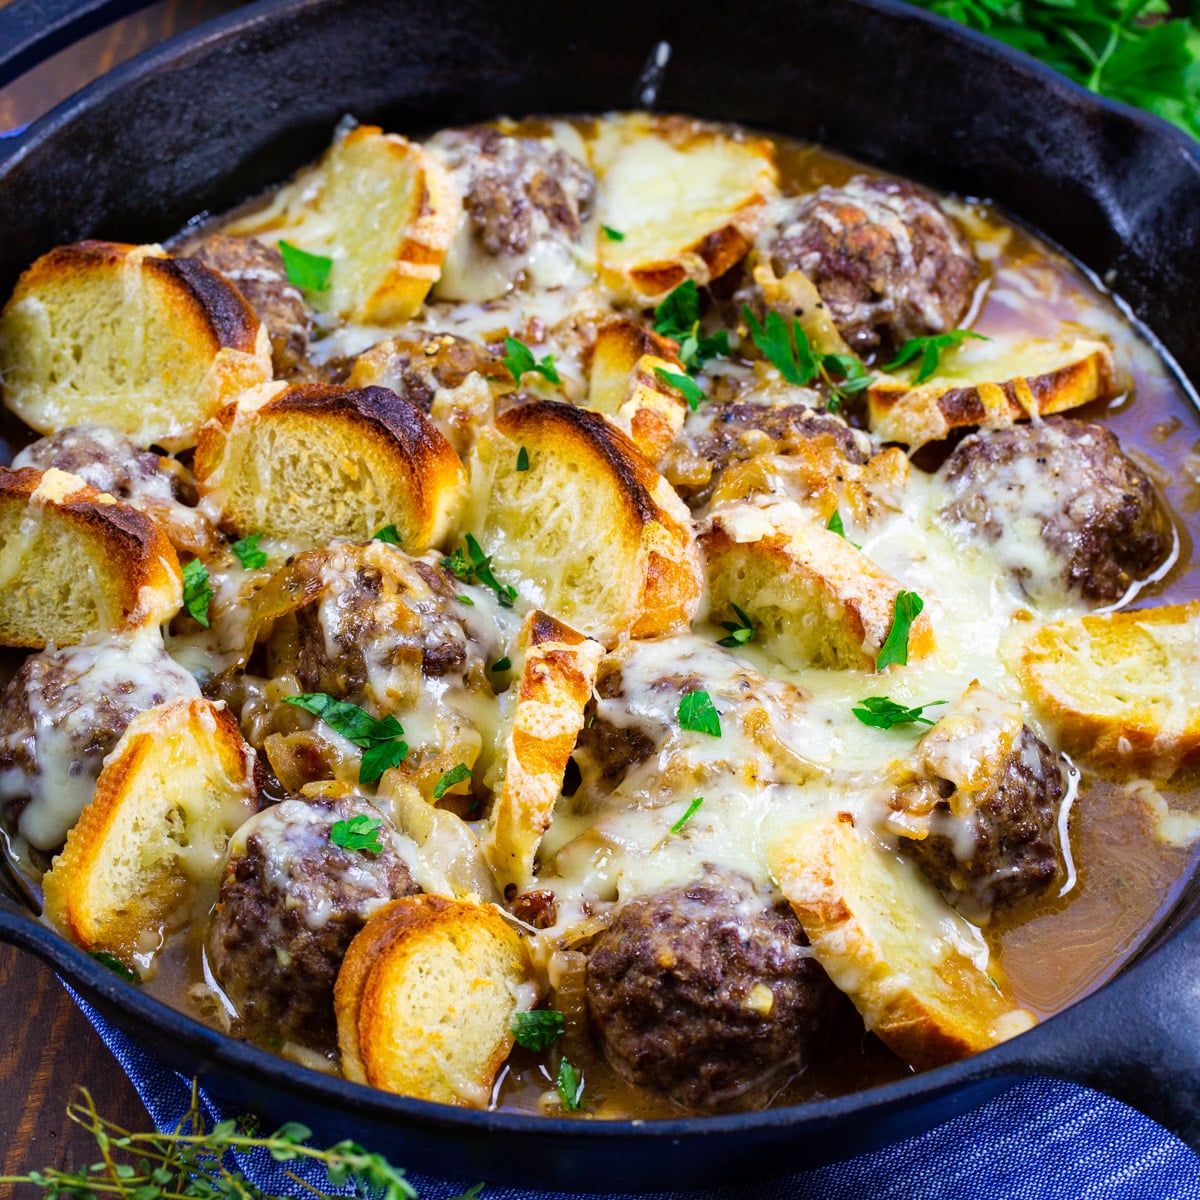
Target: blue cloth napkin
(1042, 1140)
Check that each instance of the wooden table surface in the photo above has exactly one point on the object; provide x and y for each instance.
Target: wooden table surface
(48, 1049)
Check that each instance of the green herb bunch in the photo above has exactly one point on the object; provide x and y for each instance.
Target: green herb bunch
(1131, 50)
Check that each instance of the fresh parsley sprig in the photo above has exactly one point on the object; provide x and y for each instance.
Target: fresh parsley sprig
(684, 384)
(740, 631)
(835, 525)
(519, 360)
(309, 272)
(378, 737)
(698, 714)
(929, 351)
(677, 316)
(907, 608)
(389, 535)
(691, 811)
(358, 832)
(569, 1083)
(197, 595)
(247, 552)
(471, 565)
(882, 712)
(456, 774)
(538, 1029)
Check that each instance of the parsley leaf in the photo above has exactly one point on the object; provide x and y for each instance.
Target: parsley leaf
(677, 316)
(116, 966)
(197, 595)
(895, 647)
(389, 534)
(359, 832)
(684, 384)
(522, 459)
(882, 712)
(307, 271)
(687, 816)
(854, 378)
(740, 631)
(698, 714)
(788, 350)
(570, 1086)
(929, 350)
(450, 778)
(538, 1029)
(613, 235)
(377, 736)
(519, 360)
(834, 525)
(471, 565)
(248, 553)
(501, 664)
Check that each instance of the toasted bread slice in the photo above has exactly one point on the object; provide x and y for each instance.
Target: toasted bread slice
(599, 537)
(74, 561)
(125, 336)
(1036, 378)
(315, 461)
(426, 996)
(816, 600)
(557, 678)
(916, 971)
(625, 385)
(382, 209)
(153, 839)
(687, 199)
(1121, 689)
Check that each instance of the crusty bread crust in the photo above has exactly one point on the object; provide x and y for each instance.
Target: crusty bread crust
(816, 599)
(124, 335)
(426, 996)
(602, 536)
(557, 678)
(173, 791)
(314, 462)
(75, 562)
(880, 930)
(1121, 689)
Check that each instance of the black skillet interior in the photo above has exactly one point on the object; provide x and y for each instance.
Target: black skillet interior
(223, 112)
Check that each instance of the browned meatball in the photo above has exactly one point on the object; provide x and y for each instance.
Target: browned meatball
(257, 271)
(706, 994)
(1006, 847)
(291, 903)
(1068, 483)
(885, 257)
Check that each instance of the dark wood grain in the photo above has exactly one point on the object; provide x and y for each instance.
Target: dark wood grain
(48, 1049)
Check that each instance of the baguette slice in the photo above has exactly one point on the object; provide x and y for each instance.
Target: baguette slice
(426, 996)
(128, 337)
(557, 678)
(313, 462)
(1121, 689)
(599, 537)
(687, 198)
(74, 561)
(174, 789)
(382, 209)
(1037, 378)
(816, 600)
(916, 971)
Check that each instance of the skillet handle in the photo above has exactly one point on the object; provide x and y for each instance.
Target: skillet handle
(33, 30)
(1137, 1039)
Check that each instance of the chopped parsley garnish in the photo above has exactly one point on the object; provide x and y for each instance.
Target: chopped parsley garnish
(450, 778)
(116, 966)
(853, 378)
(197, 595)
(687, 816)
(522, 459)
(471, 565)
(248, 553)
(307, 271)
(464, 599)
(378, 737)
(834, 525)
(740, 631)
(570, 1086)
(501, 664)
(678, 317)
(359, 832)
(389, 534)
(519, 360)
(613, 235)
(895, 647)
(929, 351)
(683, 384)
(538, 1029)
(881, 712)
(698, 714)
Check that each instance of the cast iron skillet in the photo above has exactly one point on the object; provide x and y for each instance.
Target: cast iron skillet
(220, 113)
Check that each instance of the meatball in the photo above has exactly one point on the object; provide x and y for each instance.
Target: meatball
(1006, 846)
(707, 994)
(257, 271)
(885, 257)
(1068, 484)
(61, 714)
(291, 902)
